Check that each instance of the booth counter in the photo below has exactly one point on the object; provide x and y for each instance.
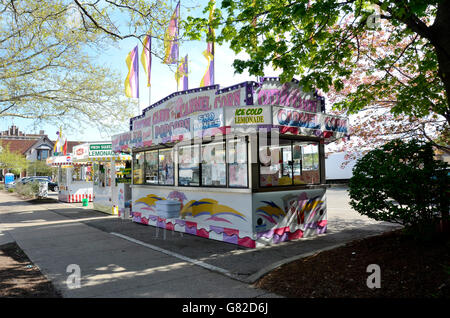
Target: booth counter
(243, 164)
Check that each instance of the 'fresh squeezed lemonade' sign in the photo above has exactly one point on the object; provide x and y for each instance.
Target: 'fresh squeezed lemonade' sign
(100, 150)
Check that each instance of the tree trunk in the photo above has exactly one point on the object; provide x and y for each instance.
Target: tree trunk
(441, 41)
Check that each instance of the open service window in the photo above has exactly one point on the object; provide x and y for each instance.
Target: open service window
(289, 162)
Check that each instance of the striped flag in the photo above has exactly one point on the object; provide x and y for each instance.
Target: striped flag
(182, 72)
(208, 78)
(132, 80)
(146, 57)
(171, 38)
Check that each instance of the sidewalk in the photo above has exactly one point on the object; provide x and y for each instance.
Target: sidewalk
(110, 266)
(119, 258)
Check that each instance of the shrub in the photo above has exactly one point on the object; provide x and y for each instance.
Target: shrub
(401, 182)
(29, 189)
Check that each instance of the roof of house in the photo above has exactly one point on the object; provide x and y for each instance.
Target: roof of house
(22, 145)
(18, 145)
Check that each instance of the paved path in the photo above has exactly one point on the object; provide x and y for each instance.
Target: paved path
(110, 266)
(119, 258)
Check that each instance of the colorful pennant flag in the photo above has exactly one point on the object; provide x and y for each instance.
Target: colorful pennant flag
(171, 38)
(146, 57)
(208, 78)
(182, 72)
(132, 80)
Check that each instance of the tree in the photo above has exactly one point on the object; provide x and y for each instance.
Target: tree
(401, 182)
(48, 71)
(11, 161)
(40, 168)
(376, 123)
(320, 41)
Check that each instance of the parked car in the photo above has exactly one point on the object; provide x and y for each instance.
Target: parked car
(52, 186)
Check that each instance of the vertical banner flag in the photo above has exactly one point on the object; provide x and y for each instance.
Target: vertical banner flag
(208, 78)
(146, 57)
(132, 80)
(171, 38)
(182, 72)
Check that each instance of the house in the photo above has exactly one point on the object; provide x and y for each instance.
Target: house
(32, 146)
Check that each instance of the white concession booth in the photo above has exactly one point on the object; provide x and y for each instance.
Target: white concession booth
(111, 174)
(74, 179)
(242, 164)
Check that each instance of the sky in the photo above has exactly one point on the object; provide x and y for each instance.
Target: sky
(162, 77)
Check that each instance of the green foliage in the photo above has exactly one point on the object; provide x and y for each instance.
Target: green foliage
(401, 182)
(13, 162)
(320, 42)
(49, 73)
(29, 190)
(40, 168)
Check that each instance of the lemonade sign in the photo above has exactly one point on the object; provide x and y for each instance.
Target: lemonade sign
(248, 116)
(100, 150)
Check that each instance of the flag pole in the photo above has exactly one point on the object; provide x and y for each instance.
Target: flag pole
(178, 46)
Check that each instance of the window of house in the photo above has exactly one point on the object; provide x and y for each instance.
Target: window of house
(42, 154)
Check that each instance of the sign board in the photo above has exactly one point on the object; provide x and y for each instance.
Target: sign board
(208, 111)
(313, 121)
(80, 152)
(100, 150)
(273, 92)
(249, 115)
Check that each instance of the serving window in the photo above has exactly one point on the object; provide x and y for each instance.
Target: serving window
(138, 168)
(237, 163)
(153, 167)
(189, 165)
(102, 174)
(289, 163)
(214, 168)
(165, 167)
(213, 164)
(81, 173)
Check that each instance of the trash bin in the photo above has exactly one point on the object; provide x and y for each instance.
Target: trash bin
(85, 202)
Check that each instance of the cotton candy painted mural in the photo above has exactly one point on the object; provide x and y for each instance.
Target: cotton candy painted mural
(228, 217)
(287, 215)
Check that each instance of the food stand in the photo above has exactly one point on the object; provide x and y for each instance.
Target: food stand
(111, 175)
(74, 179)
(242, 164)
